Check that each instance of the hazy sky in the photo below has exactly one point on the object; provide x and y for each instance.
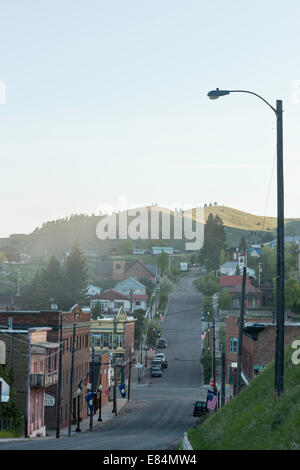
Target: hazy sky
(105, 99)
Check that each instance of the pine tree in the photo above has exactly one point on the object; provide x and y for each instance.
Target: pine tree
(214, 242)
(35, 294)
(75, 278)
(243, 244)
(54, 282)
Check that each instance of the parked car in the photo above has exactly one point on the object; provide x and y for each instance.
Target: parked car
(161, 356)
(200, 408)
(156, 371)
(156, 362)
(162, 343)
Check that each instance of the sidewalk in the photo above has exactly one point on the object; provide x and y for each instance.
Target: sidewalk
(106, 415)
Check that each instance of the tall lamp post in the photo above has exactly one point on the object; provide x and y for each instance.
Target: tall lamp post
(100, 388)
(279, 353)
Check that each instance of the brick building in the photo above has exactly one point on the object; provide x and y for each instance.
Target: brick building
(33, 360)
(259, 340)
(115, 334)
(231, 342)
(120, 270)
(51, 318)
(233, 284)
(101, 367)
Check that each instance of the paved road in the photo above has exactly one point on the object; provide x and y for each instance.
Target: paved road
(159, 413)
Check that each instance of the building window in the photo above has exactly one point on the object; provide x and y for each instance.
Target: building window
(107, 340)
(118, 304)
(96, 339)
(119, 341)
(258, 369)
(233, 344)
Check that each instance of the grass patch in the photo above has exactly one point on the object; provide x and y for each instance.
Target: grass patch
(9, 435)
(253, 420)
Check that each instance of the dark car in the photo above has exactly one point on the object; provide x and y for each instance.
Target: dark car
(156, 371)
(200, 408)
(162, 343)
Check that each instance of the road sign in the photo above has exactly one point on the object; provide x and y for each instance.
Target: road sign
(211, 382)
(158, 333)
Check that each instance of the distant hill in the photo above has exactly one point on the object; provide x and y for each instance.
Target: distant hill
(253, 420)
(56, 237)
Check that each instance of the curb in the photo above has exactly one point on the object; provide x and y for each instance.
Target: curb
(186, 443)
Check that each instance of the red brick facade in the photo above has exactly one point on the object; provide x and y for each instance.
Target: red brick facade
(51, 318)
(232, 331)
(258, 353)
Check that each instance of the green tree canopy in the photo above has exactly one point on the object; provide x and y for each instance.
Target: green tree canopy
(292, 295)
(75, 278)
(214, 242)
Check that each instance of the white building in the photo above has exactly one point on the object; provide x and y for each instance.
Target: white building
(130, 285)
(157, 250)
(229, 268)
(93, 290)
(135, 290)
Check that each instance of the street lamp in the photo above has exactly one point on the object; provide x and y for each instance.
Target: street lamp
(279, 353)
(78, 411)
(100, 388)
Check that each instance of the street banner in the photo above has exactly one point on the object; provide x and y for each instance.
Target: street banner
(122, 390)
(211, 400)
(90, 399)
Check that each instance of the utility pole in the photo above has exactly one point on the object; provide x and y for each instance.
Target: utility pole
(92, 389)
(259, 272)
(114, 410)
(58, 406)
(146, 356)
(214, 355)
(223, 380)
(10, 326)
(129, 379)
(18, 285)
(241, 326)
(100, 388)
(279, 355)
(71, 381)
(78, 412)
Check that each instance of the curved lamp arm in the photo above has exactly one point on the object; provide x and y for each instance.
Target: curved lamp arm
(252, 93)
(214, 94)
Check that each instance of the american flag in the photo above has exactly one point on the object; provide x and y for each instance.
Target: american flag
(203, 334)
(161, 317)
(211, 400)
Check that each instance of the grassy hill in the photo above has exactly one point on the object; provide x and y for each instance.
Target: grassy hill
(234, 218)
(253, 420)
(55, 237)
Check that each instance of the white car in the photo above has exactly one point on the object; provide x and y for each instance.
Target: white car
(160, 356)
